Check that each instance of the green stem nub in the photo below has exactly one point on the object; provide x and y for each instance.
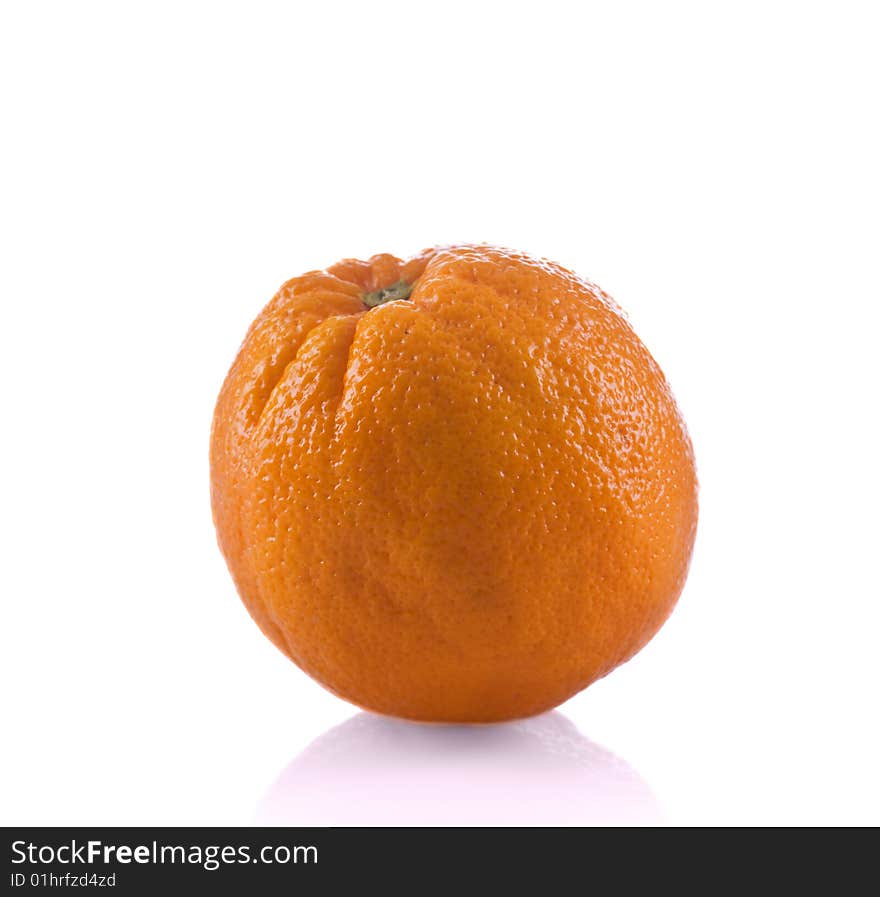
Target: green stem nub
(399, 290)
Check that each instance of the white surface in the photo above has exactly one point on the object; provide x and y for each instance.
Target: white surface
(165, 168)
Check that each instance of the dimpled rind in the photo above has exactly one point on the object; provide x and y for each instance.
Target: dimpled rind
(463, 506)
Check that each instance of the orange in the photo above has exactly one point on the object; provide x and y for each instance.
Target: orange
(456, 488)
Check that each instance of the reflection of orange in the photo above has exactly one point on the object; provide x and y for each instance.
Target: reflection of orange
(454, 488)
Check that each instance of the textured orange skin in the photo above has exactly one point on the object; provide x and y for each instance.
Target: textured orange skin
(464, 506)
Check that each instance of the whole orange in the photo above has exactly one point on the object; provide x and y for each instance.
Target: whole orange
(456, 488)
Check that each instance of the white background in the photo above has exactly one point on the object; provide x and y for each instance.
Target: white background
(166, 167)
